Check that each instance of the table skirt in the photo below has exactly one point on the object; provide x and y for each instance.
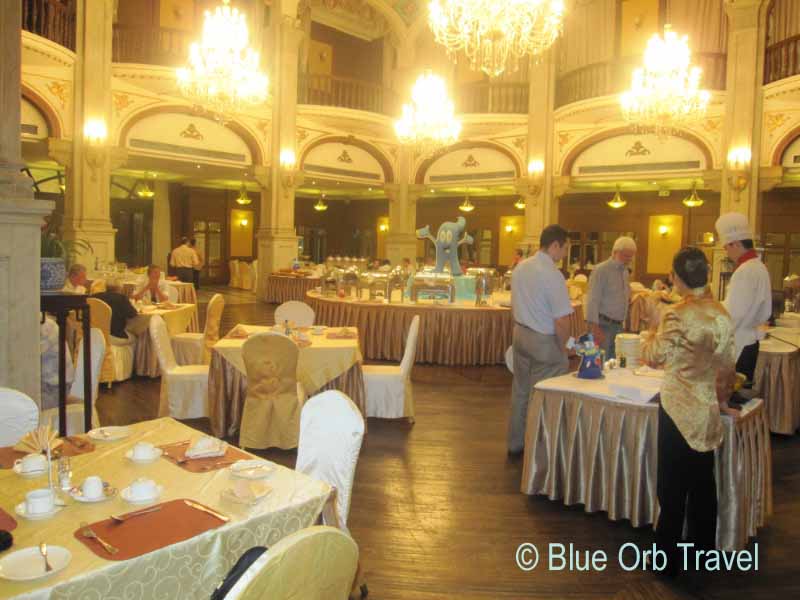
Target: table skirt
(227, 390)
(777, 380)
(281, 288)
(603, 454)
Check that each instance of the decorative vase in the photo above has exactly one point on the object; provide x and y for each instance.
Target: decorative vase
(53, 274)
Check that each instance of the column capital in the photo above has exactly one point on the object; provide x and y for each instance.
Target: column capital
(743, 13)
(769, 177)
(561, 185)
(262, 175)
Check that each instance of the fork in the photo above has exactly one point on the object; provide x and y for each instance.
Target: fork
(88, 532)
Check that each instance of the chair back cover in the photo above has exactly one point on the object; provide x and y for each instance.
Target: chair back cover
(18, 415)
(100, 318)
(233, 267)
(331, 431)
(161, 342)
(510, 358)
(294, 311)
(172, 294)
(213, 320)
(98, 286)
(254, 269)
(271, 415)
(317, 563)
(410, 351)
(98, 351)
(245, 275)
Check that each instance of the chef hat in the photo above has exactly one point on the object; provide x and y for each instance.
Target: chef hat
(733, 227)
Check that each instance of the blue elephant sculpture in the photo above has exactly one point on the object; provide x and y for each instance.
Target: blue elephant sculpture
(447, 242)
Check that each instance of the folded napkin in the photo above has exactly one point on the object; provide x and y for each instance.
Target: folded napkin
(206, 447)
(36, 441)
(238, 332)
(166, 305)
(342, 334)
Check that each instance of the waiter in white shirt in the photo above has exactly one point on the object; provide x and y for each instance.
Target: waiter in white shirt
(749, 294)
(541, 306)
(184, 259)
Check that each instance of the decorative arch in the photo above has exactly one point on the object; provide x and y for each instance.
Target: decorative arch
(783, 145)
(51, 117)
(240, 130)
(580, 148)
(388, 172)
(467, 145)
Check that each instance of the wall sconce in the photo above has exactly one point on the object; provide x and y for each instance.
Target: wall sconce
(535, 177)
(739, 168)
(509, 228)
(243, 222)
(289, 175)
(383, 227)
(663, 230)
(95, 134)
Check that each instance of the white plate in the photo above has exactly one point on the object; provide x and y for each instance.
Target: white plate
(29, 474)
(126, 495)
(20, 510)
(251, 469)
(157, 452)
(108, 493)
(28, 564)
(109, 434)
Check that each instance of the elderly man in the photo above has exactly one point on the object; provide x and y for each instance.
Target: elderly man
(609, 294)
(541, 307)
(155, 288)
(76, 279)
(184, 259)
(121, 310)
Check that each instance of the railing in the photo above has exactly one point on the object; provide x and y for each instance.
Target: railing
(150, 45)
(493, 97)
(328, 90)
(51, 19)
(609, 77)
(782, 60)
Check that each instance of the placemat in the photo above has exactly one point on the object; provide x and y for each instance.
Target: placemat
(72, 445)
(8, 455)
(203, 465)
(175, 522)
(7, 522)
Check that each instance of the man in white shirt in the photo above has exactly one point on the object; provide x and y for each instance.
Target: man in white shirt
(749, 294)
(76, 280)
(184, 259)
(154, 289)
(541, 307)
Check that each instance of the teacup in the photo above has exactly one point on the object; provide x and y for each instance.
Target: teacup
(143, 489)
(31, 463)
(38, 502)
(143, 451)
(318, 329)
(92, 487)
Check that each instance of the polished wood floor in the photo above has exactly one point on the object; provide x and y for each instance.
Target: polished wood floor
(438, 514)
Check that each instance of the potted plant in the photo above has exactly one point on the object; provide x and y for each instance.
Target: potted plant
(55, 252)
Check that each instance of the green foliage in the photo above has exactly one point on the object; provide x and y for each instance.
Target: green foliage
(54, 247)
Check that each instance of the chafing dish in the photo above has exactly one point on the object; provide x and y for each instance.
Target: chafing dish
(433, 284)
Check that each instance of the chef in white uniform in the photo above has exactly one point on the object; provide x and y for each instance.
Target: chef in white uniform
(749, 294)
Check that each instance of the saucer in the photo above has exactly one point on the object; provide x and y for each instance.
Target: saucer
(126, 495)
(28, 564)
(28, 474)
(109, 434)
(157, 452)
(22, 512)
(251, 469)
(108, 493)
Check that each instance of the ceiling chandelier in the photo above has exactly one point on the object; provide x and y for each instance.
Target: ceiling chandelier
(243, 199)
(617, 201)
(665, 94)
(693, 200)
(320, 206)
(496, 34)
(520, 203)
(429, 121)
(145, 191)
(223, 72)
(466, 206)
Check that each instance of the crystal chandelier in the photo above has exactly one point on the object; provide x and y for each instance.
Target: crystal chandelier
(665, 94)
(223, 72)
(495, 34)
(429, 121)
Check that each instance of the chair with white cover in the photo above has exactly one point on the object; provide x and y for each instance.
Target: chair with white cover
(233, 267)
(18, 415)
(271, 414)
(388, 387)
(195, 348)
(331, 431)
(317, 563)
(294, 311)
(254, 269)
(184, 389)
(118, 361)
(510, 359)
(172, 294)
(75, 420)
(245, 275)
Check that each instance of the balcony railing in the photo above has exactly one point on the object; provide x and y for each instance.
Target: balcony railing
(328, 90)
(610, 77)
(151, 45)
(782, 60)
(51, 19)
(493, 97)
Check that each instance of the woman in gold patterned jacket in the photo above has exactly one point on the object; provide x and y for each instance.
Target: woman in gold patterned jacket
(694, 344)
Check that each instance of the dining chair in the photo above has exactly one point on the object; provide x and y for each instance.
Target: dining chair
(294, 311)
(271, 414)
(172, 294)
(233, 267)
(331, 432)
(195, 348)
(98, 286)
(245, 275)
(316, 563)
(118, 360)
(388, 387)
(510, 359)
(184, 388)
(254, 269)
(18, 415)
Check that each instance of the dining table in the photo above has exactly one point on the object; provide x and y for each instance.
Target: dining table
(190, 568)
(178, 319)
(331, 360)
(777, 380)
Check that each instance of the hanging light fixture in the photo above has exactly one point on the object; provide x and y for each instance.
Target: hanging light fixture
(665, 93)
(223, 74)
(320, 206)
(617, 201)
(243, 198)
(144, 191)
(520, 203)
(429, 122)
(693, 200)
(466, 206)
(495, 35)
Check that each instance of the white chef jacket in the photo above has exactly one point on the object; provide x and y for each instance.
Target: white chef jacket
(749, 302)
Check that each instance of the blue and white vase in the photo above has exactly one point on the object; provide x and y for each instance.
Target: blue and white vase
(53, 274)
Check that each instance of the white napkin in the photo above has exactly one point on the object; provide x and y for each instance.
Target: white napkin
(247, 492)
(207, 447)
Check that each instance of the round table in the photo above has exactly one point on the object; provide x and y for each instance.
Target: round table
(450, 334)
(283, 287)
(777, 381)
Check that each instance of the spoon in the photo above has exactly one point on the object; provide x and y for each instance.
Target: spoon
(43, 552)
(88, 532)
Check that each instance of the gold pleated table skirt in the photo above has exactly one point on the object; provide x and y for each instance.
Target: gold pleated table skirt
(777, 380)
(282, 288)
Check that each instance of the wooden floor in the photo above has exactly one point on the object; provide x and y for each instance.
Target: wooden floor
(437, 510)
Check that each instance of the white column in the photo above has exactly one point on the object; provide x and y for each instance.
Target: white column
(401, 241)
(20, 223)
(162, 231)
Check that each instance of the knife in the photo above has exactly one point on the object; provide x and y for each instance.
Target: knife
(213, 513)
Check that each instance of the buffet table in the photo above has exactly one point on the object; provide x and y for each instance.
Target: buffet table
(284, 287)
(188, 569)
(450, 334)
(325, 364)
(585, 446)
(777, 380)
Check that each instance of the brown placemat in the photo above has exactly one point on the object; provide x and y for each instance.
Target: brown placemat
(203, 465)
(8, 455)
(72, 445)
(175, 522)
(7, 522)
